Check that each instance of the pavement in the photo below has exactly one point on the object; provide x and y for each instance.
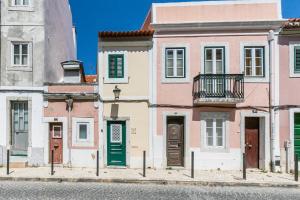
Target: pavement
(80, 191)
(165, 177)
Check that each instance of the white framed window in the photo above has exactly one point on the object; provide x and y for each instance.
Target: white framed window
(20, 2)
(294, 51)
(20, 54)
(254, 61)
(214, 62)
(214, 132)
(83, 132)
(175, 63)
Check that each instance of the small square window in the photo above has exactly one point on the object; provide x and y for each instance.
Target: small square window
(297, 60)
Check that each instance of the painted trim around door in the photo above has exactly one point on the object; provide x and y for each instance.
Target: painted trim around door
(186, 137)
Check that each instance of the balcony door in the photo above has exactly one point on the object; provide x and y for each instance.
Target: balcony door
(214, 68)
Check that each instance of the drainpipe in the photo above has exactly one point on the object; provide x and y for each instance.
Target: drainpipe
(69, 103)
(271, 100)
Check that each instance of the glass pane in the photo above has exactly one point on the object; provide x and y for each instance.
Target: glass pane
(25, 49)
(179, 54)
(24, 60)
(248, 62)
(170, 63)
(219, 67)
(258, 53)
(209, 123)
(170, 54)
(170, 72)
(208, 67)
(210, 141)
(219, 54)
(259, 71)
(56, 132)
(25, 2)
(18, 2)
(180, 72)
(82, 131)
(208, 54)
(248, 53)
(16, 49)
(219, 123)
(248, 71)
(219, 141)
(258, 62)
(16, 60)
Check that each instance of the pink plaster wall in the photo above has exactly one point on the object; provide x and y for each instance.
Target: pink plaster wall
(70, 88)
(216, 13)
(81, 108)
(288, 96)
(256, 94)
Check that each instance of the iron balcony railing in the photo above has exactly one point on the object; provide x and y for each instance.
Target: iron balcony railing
(229, 86)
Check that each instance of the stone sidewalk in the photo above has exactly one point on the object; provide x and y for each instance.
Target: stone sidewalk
(109, 175)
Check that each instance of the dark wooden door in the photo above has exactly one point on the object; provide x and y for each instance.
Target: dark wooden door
(56, 142)
(252, 142)
(175, 141)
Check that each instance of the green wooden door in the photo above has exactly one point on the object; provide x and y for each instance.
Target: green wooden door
(116, 143)
(297, 134)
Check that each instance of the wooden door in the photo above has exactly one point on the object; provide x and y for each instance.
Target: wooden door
(116, 143)
(56, 142)
(175, 141)
(252, 142)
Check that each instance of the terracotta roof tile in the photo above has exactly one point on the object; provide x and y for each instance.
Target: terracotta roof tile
(293, 23)
(137, 33)
(91, 78)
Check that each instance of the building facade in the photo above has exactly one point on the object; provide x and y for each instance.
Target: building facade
(32, 31)
(124, 60)
(214, 66)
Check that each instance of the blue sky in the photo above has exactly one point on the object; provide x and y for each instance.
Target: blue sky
(119, 15)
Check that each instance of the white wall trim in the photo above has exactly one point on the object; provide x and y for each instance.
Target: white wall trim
(46, 122)
(266, 77)
(125, 98)
(292, 45)
(215, 44)
(187, 129)
(186, 79)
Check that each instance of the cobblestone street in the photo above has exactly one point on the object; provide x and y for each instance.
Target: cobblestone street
(39, 190)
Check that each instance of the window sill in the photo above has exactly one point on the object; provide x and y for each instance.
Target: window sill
(215, 150)
(293, 75)
(175, 80)
(256, 79)
(20, 68)
(21, 8)
(116, 80)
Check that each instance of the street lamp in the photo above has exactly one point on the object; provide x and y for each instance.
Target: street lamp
(117, 92)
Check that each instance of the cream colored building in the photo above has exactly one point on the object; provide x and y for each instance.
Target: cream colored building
(124, 60)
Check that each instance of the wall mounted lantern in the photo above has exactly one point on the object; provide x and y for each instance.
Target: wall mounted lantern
(117, 92)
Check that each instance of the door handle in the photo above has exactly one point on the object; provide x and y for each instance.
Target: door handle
(249, 145)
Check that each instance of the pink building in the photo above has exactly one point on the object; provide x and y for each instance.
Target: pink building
(213, 63)
(289, 80)
(71, 118)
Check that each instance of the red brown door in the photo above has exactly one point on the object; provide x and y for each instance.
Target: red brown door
(252, 142)
(56, 142)
(175, 141)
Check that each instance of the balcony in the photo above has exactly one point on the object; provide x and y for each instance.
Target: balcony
(218, 89)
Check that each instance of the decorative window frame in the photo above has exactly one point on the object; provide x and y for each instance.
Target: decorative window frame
(214, 115)
(292, 46)
(164, 78)
(13, 67)
(256, 79)
(76, 141)
(108, 80)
